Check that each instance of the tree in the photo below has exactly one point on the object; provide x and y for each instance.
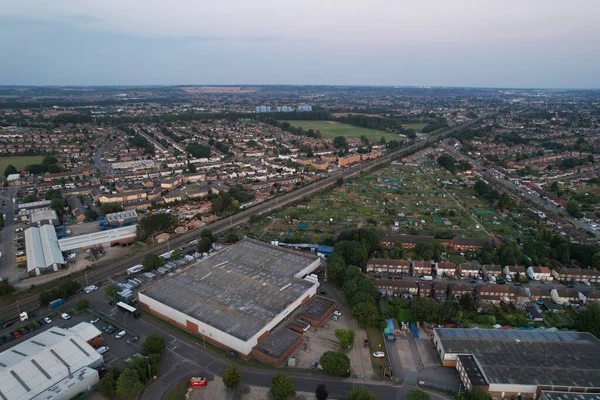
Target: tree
(6, 289)
(204, 244)
(9, 170)
(111, 291)
(340, 142)
(177, 254)
(345, 336)
(108, 385)
(466, 301)
(588, 320)
(424, 309)
(152, 262)
(366, 313)
(154, 344)
(596, 260)
(83, 304)
(573, 208)
(321, 392)
(197, 150)
(91, 214)
(335, 363)
(282, 387)
(352, 252)
(478, 394)
(361, 393)
(232, 377)
(129, 383)
(417, 395)
(192, 168)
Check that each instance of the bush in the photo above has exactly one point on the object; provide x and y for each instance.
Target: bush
(232, 377)
(335, 363)
(282, 387)
(82, 304)
(345, 336)
(417, 395)
(154, 344)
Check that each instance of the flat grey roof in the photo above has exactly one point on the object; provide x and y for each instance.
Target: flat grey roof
(237, 290)
(472, 369)
(528, 357)
(316, 307)
(276, 343)
(549, 395)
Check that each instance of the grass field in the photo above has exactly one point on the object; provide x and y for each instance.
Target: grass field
(345, 114)
(19, 162)
(418, 126)
(331, 129)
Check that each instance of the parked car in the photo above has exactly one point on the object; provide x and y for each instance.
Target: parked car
(23, 331)
(94, 321)
(379, 354)
(334, 317)
(31, 328)
(366, 344)
(102, 350)
(120, 334)
(65, 316)
(198, 381)
(91, 288)
(47, 320)
(16, 335)
(336, 312)
(111, 330)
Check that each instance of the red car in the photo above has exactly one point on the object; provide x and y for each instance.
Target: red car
(198, 381)
(16, 335)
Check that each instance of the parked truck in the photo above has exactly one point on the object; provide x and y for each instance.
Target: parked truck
(427, 278)
(135, 269)
(57, 303)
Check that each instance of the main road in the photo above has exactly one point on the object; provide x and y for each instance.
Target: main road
(9, 309)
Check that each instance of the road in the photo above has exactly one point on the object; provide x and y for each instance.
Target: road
(9, 309)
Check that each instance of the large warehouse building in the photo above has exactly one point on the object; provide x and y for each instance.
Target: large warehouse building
(43, 253)
(124, 234)
(521, 363)
(57, 364)
(237, 296)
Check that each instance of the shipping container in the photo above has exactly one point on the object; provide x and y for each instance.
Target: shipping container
(57, 303)
(61, 235)
(60, 228)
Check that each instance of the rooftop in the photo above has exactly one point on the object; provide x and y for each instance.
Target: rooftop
(316, 307)
(522, 357)
(548, 395)
(42, 247)
(32, 366)
(238, 290)
(121, 216)
(278, 342)
(91, 239)
(472, 369)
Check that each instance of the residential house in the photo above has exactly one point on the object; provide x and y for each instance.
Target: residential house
(467, 244)
(425, 288)
(397, 287)
(468, 269)
(538, 293)
(76, 207)
(388, 267)
(439, 291)
(577, 274)
(494, 293)
(512, 271)
(587, 296)
(519, 294)
(126, 197)
(458, 288)
(490, 270)
(564, 295)
(539, 273)
(171, 183)
(406, 241)
(445, 268)
(173, 196)
(421, 268)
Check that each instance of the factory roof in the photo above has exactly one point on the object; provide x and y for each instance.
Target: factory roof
(278, 342)
(32, 366)
(528, 357)
(41, 215)
(316, 307)
(121, 216)
(238, 290)
(472, 370)
(35, 204)
(92, 239)
(551, 395)
(42, 247)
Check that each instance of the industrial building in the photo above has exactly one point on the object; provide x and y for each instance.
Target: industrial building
(111, 236)
(57, 364)
(122, 218)
(43, 217)
(236, 297)
(521, 363)
(43, 253)
(35, 204)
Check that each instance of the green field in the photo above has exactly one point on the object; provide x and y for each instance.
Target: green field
(331, 129)
(418, 126)
(19, 162)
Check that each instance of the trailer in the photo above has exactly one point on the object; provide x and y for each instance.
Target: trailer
(57, 303)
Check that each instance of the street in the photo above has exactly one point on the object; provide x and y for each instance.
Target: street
(7, 234)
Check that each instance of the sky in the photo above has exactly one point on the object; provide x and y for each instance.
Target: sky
(474, 43)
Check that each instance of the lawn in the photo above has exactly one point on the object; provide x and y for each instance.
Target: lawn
(417, 126)
(178, 391)
(376, 343)
(331, 129)
(19, 162)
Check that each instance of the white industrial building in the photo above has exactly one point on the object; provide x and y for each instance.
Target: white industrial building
(234, 298)
(35, 204)
(97, 238)
(57, 364)
(44, 216)
(121, 217)
(43, 253)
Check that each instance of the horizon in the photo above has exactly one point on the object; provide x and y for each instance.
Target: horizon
(512, 44)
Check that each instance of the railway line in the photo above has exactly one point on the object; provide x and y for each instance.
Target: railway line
(10, 308)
